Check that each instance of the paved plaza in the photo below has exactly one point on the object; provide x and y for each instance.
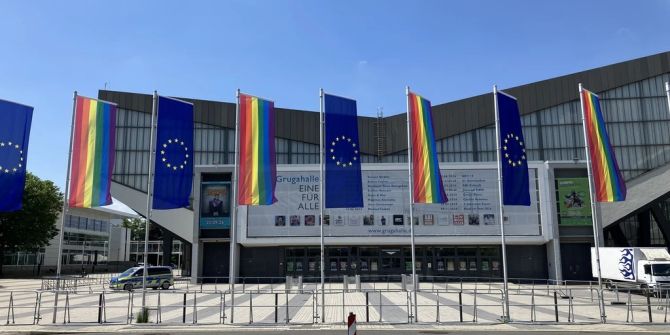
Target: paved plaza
(22, 302)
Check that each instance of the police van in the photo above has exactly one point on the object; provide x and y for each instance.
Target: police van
(157, 276)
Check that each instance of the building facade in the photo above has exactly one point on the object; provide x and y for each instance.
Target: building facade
(635, 108)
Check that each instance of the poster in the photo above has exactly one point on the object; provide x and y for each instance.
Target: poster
(472, 208)
(215, 205)
(574, 203)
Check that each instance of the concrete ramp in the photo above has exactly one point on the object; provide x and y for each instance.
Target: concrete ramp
(178, 221)
(642, 190)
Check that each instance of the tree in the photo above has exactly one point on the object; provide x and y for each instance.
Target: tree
(35, 224)
(136, 227)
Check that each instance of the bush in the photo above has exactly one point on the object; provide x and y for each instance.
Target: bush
(142, 316)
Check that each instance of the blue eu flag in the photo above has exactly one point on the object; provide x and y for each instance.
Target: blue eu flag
(342, 154)
(173, 177)
(15, 122)
(512, 152)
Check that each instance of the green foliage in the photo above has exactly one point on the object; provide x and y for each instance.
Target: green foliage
(36, 223)
(136, 227)
(142, 316)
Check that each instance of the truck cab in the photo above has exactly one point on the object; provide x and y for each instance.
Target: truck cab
(654, 273)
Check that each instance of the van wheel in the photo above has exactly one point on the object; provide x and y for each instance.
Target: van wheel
(165, 285)
(128, 287)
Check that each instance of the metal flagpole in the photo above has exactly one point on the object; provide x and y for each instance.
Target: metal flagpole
(594, 210)
(411, 205)
(322, 183)
(233, 224)
(501, 207)
(150, 186)
(66, 198)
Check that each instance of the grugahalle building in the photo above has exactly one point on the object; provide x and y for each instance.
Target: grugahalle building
(549, 239)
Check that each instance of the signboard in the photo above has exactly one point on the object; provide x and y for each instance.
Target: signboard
(574, 203)
(215, 205)
(472, 208)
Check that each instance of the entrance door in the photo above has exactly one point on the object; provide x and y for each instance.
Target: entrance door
(215, 262)
(576, 261)
(391, 262)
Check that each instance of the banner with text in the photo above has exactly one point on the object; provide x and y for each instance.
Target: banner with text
(472, 208)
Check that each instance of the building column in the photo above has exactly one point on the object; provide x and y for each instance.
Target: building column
(643, 229)
(662, 222)
(618, 236)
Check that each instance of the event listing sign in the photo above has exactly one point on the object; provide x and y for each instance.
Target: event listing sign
(472, 208)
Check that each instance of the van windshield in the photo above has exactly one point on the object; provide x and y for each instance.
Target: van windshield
(127, 272)
(661, 269)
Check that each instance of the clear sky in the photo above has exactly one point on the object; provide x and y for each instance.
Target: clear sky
(287, 50)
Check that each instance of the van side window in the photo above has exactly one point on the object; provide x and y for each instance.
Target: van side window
(158, 271)
(647, 269)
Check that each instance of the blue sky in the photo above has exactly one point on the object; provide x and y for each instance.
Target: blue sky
(287, 50)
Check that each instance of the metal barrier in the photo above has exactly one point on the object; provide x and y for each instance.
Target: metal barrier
(455, 302)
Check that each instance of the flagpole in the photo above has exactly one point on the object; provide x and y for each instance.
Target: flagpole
(150, 186)
(66, 198)
(411, 205)
(321, 204)
(501, 212)
(594, 209)
(233, 221)
(667, 92)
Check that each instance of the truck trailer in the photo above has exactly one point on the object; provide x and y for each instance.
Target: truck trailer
(645, 267)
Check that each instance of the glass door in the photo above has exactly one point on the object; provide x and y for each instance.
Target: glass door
(391, 262)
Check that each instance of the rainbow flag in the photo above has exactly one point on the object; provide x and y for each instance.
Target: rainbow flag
(258, 168)
(609, 184)
(92, 158)
(427, 180)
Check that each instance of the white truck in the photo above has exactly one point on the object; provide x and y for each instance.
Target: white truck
(644, 267)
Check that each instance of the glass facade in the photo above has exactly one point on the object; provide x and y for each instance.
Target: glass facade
(213, 145)
(375, 263)
(638, 122)
(636, 114)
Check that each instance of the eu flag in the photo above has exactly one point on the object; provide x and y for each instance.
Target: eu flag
(512, 152)
(15, 122)
(342, 154)
(173, 177)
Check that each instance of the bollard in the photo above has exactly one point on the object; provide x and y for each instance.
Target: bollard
(381, 306)
(183, 312)
(649, 307)
(474, 308)
(351, 324)
(10, 308)
(195, 307)
(251, 308)
(437, 302)
(276, 306)
(100, 308)
(556, 306)
(460, 305)
(367, 307)
(287, 309)
(344, 305)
